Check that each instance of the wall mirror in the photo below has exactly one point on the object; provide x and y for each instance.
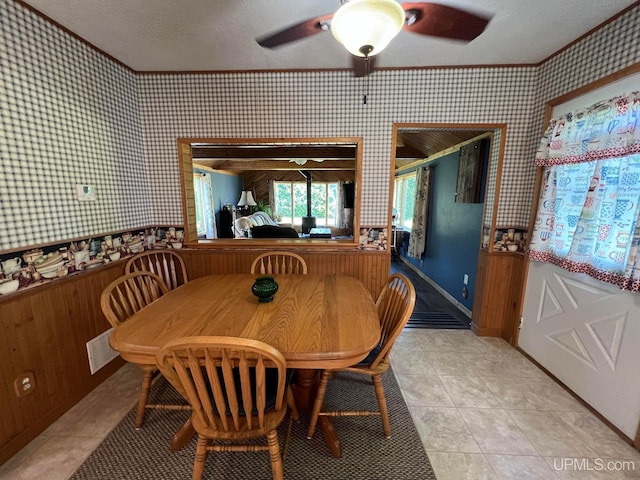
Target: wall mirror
(302, 191)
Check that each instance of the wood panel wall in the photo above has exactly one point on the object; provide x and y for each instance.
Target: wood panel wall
(371, 268)
(496, 302)
(188, 196)
(45, 329)
(258, 180)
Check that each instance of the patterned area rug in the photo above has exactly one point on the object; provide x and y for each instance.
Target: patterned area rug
(366, 453)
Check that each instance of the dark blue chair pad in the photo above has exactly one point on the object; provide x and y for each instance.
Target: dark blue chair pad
(271, 380)
(370, 357)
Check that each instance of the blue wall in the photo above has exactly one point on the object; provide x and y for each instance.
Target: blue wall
(226, 189)
(454, 232)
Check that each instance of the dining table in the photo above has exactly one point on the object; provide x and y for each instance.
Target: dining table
(316, 321)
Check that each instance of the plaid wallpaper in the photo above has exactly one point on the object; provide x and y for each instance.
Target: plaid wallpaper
(610, 49)
(70, 115)
(324, 104)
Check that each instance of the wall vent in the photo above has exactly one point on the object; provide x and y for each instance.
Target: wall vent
(100, 352)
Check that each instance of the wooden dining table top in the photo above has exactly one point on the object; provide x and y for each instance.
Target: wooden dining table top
(316, 321)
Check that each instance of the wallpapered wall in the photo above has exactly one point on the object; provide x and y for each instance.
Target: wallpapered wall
(330, 104)
(70, 115)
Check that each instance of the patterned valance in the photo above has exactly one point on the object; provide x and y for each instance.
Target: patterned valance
(609, 129)
(588, 218)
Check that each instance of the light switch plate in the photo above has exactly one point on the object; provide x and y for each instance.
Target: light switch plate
(85, 193)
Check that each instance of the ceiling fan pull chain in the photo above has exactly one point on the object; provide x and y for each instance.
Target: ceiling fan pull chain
(366, 78)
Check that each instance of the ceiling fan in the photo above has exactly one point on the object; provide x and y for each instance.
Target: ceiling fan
(303, 161)
(365, 27)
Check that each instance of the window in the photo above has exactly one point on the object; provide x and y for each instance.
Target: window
(291, 202)
(405, 195)
(588, 214)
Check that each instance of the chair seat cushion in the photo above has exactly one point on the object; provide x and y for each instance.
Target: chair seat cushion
(271, 381)
(370, 357)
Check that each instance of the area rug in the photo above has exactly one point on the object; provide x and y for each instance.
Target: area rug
(127, 453)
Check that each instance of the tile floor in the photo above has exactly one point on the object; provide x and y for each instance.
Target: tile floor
(482, 409)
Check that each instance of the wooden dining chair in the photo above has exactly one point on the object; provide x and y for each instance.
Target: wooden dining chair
(167, 264)
(236, 388)
(394, 305)
(120, 300)
(272, 263)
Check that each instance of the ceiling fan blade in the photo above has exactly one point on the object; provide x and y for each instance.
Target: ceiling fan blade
(443, 21)
(301, 30)
(360, 67)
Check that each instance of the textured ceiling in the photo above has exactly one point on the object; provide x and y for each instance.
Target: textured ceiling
(219, 35)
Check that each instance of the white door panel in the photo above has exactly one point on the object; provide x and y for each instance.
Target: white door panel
(587, 334)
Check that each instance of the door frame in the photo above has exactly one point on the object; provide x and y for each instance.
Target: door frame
(495, 162)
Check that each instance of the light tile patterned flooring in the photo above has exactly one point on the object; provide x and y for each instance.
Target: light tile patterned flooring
(482, 409)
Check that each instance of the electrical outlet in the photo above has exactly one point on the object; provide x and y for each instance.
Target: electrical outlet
(24, 384)
(465, 280)
(465, 293)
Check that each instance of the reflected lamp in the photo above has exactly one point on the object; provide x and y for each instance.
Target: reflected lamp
(246, 200)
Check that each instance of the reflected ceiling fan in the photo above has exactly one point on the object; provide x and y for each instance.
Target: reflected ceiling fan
(303, 161)
(365, 27)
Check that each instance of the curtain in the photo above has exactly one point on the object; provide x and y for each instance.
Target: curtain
(588, 211)
(340, 216)
(204, 197)
(418, 237)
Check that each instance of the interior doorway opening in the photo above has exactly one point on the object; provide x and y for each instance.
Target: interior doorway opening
(455, 221)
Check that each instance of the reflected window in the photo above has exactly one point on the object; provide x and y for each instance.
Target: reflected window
(291, 202)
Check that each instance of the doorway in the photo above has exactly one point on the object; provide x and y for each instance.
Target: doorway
(445, 274)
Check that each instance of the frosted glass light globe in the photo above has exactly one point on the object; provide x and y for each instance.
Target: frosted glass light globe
(365, 27)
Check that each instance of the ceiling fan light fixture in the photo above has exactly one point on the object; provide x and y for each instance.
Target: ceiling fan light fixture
(302, 161)
(367, 25)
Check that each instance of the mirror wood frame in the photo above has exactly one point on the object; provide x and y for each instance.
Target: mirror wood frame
(185, 158)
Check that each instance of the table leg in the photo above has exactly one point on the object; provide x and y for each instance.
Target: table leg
(304, 392)
(330, 436)
(182, 436)
(305, 388)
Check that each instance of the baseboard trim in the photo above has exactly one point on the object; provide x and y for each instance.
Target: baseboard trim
(485, 332)
(604, 420)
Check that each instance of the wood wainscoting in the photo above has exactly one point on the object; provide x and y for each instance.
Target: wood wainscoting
(496, 302)
(44, 330)
(371, 268)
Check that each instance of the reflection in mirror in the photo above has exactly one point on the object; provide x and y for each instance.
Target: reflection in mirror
(271, 188)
